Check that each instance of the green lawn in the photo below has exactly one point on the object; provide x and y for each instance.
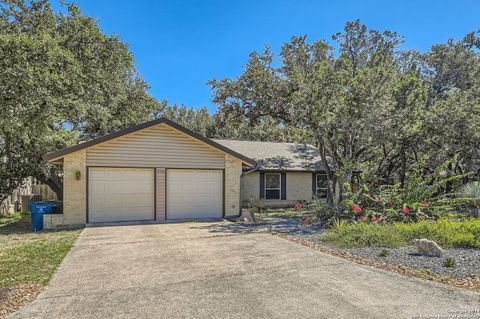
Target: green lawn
(29, 257)
(447, 233)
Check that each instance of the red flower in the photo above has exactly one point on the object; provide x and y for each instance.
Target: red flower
(357, 209)
(297, 206)
(426, 204)
(377, 219)
(406, 210)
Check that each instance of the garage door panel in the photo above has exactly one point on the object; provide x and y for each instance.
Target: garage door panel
(121, 194)
(194, 194)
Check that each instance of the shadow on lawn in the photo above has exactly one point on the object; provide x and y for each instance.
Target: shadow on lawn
(18, 227)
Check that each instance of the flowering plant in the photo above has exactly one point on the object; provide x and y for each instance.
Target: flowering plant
(422, 197)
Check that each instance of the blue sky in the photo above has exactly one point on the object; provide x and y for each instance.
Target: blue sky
(180, 45)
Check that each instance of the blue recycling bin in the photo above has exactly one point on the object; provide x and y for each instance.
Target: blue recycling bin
(37, 210)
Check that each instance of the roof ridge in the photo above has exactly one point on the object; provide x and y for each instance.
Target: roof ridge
(250, 141)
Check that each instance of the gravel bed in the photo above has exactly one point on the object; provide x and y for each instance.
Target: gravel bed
(467, 260)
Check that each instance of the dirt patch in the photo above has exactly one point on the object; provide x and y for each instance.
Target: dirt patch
(471, 283)
(14, 297)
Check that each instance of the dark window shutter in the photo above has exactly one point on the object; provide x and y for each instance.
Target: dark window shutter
(314, 185)
(262, 185)
(283, 185)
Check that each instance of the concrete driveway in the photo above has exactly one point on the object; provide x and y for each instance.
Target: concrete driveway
(215, 270)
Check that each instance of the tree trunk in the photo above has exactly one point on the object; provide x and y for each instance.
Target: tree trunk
(403, 168)
(330, 186)
(57, 188)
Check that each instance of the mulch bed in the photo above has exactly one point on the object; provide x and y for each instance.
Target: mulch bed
(470, 283)
(14, 297)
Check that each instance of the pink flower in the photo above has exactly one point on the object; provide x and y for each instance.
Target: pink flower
(406, 210)
(297, 206)
(357, 209)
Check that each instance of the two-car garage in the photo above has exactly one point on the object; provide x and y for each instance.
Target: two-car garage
(129, 194)
(154, 171)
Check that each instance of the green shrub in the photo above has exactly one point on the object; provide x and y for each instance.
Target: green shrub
(447, 233)
(449, 262)
(324, 211)
(471, 191)
(384, 253)
(364, 235)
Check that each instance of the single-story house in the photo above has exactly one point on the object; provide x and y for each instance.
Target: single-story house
(284, 174)
(160, 171)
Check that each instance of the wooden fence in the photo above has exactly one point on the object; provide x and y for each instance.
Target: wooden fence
(8, 205)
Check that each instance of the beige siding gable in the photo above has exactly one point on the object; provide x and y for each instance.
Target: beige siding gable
(157, 146)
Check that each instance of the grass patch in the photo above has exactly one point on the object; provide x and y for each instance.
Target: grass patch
(10, 218)
(447, 233)
(29, 257)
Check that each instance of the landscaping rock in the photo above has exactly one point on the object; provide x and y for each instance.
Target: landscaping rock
(428, 248)
(399, 260)
(466, 259)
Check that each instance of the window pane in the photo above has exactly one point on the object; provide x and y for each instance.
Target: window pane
(322, 193)
(322, 181)
(272, 194)
(272, 181)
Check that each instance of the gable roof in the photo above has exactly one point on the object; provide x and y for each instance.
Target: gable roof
(163, 120)
(279, 156)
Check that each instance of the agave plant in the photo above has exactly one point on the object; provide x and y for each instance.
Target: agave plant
(472, 191)
(338, 224)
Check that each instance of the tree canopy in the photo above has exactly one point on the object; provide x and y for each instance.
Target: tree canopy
(62, 80)
(365, 102)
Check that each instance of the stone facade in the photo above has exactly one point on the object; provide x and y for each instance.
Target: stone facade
(75, 190)
(74, 193)
(233, 171)
(51, 221)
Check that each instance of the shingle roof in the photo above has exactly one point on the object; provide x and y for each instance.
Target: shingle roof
(278, 156)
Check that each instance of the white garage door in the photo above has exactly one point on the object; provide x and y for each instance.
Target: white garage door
(194, 194)
(120, 194)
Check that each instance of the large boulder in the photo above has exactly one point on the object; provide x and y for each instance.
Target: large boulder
(428, 247)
